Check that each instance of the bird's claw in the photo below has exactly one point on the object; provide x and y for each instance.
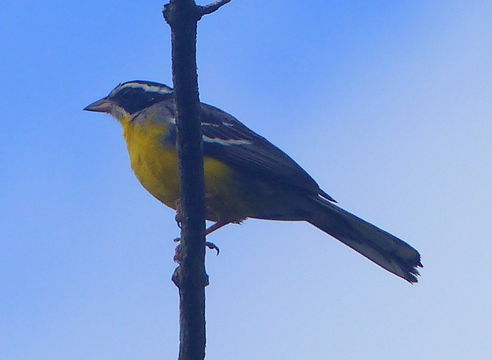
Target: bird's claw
(179, 213)
(178, 255)
(178, 220)
(212, 246)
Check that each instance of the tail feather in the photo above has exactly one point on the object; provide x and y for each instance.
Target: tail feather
(377, 245)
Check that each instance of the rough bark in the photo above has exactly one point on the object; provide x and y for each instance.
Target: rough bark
(190, 276)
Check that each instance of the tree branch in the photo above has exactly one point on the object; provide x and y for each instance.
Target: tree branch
(208, 9)
(190, 276)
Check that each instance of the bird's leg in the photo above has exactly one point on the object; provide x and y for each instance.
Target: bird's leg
(210, 230)
(178, 255)
(216, 226)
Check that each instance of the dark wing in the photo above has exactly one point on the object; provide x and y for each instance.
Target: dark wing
(228, 140)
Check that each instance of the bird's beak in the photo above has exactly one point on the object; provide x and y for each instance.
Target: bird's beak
(103, 105)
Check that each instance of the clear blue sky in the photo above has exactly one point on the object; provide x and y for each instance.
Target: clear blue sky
(385, 103)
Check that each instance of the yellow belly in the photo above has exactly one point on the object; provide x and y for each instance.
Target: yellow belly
(156, 166)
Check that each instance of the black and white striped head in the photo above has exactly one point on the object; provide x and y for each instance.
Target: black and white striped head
(131, 97)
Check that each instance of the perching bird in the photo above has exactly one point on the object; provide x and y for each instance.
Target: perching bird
(245, 175)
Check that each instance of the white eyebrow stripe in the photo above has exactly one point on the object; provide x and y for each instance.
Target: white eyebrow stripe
(146, 87)
(226, 142)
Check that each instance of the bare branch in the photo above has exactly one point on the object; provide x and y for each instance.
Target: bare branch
(190, 277)
(208, 9)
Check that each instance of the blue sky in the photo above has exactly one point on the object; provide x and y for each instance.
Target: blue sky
(385, 103)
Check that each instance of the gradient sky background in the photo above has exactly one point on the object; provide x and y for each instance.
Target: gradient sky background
(385, 103)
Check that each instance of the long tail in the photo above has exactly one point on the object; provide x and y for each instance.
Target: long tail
(377, 245)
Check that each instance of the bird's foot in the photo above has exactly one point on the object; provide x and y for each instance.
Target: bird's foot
(178, 254)
(179, 213)
(212, 246)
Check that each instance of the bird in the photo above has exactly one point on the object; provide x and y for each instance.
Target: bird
(246, 176)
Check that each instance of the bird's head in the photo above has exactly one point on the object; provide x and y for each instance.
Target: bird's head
(130, 97)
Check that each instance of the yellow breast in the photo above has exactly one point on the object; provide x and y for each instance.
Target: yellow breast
(155, 164)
